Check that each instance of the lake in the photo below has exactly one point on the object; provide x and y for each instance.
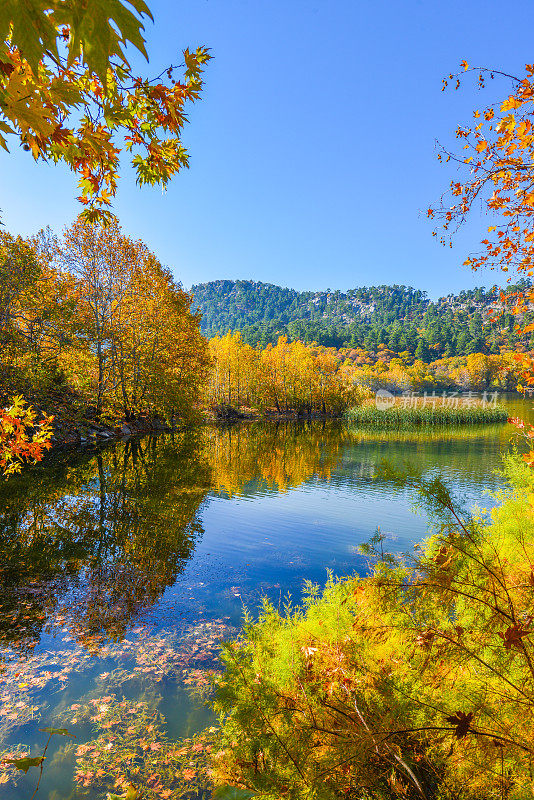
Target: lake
(122, 568)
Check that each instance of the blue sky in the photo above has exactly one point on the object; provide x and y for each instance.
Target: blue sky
(313, 148)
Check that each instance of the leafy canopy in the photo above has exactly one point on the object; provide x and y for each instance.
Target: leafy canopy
(497, 172)
(68, 93)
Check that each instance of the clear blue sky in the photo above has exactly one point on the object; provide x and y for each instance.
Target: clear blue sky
(312, 150)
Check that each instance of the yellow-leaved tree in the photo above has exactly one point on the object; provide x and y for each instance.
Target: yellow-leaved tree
(137, 338)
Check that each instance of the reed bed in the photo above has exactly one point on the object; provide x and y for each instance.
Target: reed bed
(424, 435)
(425, 416)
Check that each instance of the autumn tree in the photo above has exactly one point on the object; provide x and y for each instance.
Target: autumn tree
(160, 358)
(137, 336)
(99, 259)
(68, 93)
(36, 307)
(19, 270)
(285, 377)
(497, 172)
(234, 370)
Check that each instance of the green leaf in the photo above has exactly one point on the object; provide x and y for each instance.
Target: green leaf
(101, 28)
(59, 731)
(25, 763)
(132, 793)
(33, 29)
(231, 793)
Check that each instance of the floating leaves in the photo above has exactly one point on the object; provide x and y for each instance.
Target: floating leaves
(131, 745)
(23, 676)
(131, 749)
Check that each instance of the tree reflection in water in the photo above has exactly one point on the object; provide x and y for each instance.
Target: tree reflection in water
(95, 542)
(92, 541)
(276, 456)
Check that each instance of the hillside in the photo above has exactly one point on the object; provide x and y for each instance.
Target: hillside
(399, 317)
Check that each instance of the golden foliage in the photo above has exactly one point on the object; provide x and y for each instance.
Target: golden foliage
(287, 376)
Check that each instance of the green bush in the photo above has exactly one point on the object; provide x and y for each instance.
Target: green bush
(415, 682)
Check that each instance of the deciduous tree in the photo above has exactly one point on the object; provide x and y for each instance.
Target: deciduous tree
(140, 341)
(69, 94)
(497, 172)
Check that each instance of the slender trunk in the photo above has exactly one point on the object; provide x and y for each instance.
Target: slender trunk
(100, 390)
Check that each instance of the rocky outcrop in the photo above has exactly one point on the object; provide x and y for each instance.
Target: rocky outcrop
(227, 413)
(69, 433)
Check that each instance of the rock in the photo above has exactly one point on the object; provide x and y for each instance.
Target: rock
(89, 412)
(227, 412)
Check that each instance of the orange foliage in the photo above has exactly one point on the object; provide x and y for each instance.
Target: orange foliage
(68, 93)
(499, 173)
(21, 439)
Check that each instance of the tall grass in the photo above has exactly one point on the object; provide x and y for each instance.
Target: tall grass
(422, 434)
(397, 416)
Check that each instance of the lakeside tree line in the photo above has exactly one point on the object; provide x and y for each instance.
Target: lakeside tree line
(94, 319)
(94, 313)
(307, 378)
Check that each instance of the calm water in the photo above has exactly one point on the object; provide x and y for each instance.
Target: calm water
(120, 570)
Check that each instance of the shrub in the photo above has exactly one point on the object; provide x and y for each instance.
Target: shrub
(416, 681)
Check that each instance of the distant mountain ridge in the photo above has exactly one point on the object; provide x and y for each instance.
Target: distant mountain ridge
(399, 317)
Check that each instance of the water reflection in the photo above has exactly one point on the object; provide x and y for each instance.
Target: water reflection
(278, 456)
(97, 540)
(121, 568)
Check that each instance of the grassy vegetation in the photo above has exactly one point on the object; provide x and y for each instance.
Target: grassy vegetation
(399, 416)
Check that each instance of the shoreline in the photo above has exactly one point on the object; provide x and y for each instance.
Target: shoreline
(76, 427)
(86, 435)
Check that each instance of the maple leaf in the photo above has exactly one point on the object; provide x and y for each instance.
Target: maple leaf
(462, 722)
(425, 639)
(513, 636)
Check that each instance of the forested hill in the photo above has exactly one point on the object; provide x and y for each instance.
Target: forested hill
(400, 317)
